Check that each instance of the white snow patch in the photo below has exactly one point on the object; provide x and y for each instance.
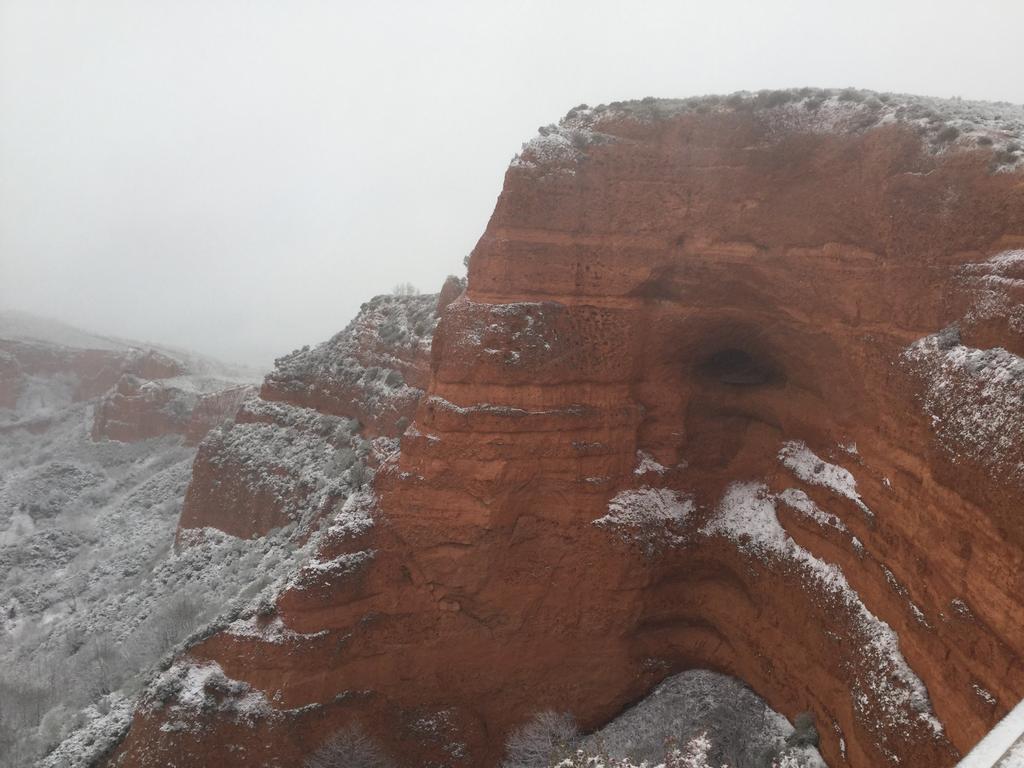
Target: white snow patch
(945, 125)
(648, 515)
(804, 504)
(274, 631)
(646, 463)
(802, 462)
(318, 572)
(101, 732)
(189, 690)
(984, 695)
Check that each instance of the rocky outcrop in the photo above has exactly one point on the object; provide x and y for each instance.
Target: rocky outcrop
(213, 408)
(734, 385)
(373, 371)
(38, 378)
(137, 409)
(451, 290)
(139, 393)
(276, 464)
(93, 371)
(289, 455)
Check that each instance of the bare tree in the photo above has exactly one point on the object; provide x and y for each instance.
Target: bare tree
(545, 740)
(406, 289)
(349, 748)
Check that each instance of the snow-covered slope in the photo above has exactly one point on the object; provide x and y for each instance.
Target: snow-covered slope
(95, 596)
(696, 719)
(92, 594)
(23, 326)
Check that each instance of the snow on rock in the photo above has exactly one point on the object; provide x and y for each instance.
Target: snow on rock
(188, 689)
(96, 738)
(439, 403)
(298, 458)
(317, 572)
(888, 696)
(802, 462)
(902, 591)
(273, 631)
(945, 125)
(560, 146)
(92, 589)
(984, 695)
(998, 287)
(646, 463)
(354, 516)
(802, 503)
(514, 334)
(648, 516)
(373, 370)
(975, 399)
(388, 324)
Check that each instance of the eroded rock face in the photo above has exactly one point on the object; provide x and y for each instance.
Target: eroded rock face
(290, 455)
(213, 408)
(139, 393)
(697, 408)
(90, 372)
(138, 409)
(373, 371)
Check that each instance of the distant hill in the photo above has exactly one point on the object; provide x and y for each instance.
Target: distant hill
(17, 325)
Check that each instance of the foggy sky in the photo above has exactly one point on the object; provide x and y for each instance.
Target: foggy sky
(237, 177)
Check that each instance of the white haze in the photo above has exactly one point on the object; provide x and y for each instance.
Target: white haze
(237, 177)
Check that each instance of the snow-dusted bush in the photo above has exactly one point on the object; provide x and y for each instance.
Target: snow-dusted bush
(545, 740)
(349, 748)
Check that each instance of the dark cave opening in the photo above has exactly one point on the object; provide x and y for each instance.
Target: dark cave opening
(738, 368)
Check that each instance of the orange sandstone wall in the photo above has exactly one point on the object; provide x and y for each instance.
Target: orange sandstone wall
(714, 330)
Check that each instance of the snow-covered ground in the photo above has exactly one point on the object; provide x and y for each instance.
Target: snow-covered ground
(92, 592)
(696, 719)
(94, 597)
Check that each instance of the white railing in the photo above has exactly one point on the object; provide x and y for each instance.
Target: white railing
(1002, 747)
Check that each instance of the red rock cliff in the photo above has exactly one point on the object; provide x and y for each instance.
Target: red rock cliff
(734, 384)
